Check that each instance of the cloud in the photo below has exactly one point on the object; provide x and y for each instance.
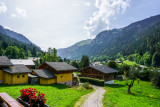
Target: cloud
(87, 3)
(3, 7)
(107, 9)
(6, 27)
(19, 13)
(75, 4)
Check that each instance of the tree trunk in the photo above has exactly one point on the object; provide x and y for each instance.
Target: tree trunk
(129, 87)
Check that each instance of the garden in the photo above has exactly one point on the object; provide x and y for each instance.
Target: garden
(55, 95)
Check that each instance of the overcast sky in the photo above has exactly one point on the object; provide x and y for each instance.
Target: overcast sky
(61, 23)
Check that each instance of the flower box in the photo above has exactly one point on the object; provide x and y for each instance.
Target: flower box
(26, 104)
(32, 98)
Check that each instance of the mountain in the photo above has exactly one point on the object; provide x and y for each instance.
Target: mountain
(108, 44)
(16, 37)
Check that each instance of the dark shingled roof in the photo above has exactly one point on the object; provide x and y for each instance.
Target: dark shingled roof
(61, 66)
(17, 69)
(104, 69)
(44, 73)
(4, 61)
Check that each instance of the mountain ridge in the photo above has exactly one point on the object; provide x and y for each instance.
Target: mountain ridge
(111, 42)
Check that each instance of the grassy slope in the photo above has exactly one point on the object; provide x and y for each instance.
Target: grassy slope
(143, 95)
(57, 95)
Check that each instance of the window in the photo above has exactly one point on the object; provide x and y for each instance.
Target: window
(18, 76)
(23, 76)
(61, 76)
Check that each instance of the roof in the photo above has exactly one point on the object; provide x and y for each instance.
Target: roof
(61, 66)
(44, 73)
(34, 58)
(17, 69)
(32, 76)
(104, 69)
(22, 61)
(4, 61)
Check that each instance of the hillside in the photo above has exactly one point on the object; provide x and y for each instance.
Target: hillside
(15, 39)
(136, 37)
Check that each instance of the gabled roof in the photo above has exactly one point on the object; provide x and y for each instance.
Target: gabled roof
(44, 73)
(17, 69)
(4, 61)
(103, 69)
(22, 61)
(61, 66)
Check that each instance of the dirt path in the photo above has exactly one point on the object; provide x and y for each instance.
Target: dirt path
(95, 99)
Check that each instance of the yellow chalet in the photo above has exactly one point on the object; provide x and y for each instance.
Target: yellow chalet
(12, 74)
(55, 72)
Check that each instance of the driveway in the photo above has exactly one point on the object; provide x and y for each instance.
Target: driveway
(95, 99)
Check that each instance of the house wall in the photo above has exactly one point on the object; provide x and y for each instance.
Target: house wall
(93, 73)
(52, 81)
(1, 76)
(109, 77)
(7, 78)
(62, 77)
(47, 81)
(20, 80)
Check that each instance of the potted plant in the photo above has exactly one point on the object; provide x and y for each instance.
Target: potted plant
(32, 98)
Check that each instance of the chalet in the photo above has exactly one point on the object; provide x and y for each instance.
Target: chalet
(28, 63)
(55, 72)
(12, 74)
(100, 72)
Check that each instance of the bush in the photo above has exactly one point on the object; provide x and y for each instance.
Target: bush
(92, 81)
(145, 75)
(156, 79)
(87, 86)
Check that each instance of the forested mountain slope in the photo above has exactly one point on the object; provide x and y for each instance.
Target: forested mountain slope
(138, 37)
(11, 38)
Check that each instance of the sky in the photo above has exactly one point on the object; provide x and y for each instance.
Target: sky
(62, 23)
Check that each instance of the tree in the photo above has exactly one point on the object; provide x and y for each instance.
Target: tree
(84, 61)
(156, 79)
(34, 52)
(15, 52)
(59, 59)
(4, 45)
(21, 53)
(156, 59)
(133, 74)
(75, 64)
(112, 64)
(1, 51)
(147, 59)
(8, 51)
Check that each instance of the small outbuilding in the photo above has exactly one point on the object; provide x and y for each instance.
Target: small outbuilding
(99, 72)
(46, 77)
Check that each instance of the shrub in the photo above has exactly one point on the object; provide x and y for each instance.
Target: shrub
(92, 81)
(145, 75)
(34, 97)
(87, 86)
(156, 79)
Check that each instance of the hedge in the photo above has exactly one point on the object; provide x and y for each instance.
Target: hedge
(92, 81)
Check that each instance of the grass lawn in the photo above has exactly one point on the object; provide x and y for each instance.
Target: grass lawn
(56, 95)
(143, 95)
(130, 62)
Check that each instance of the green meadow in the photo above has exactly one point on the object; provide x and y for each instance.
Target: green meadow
(143, 95)
(56, 95)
